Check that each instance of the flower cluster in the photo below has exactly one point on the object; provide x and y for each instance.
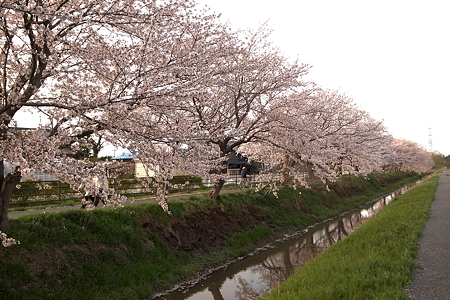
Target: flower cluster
(6, 241)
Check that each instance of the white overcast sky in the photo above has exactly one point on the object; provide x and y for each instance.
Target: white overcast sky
(392, 57)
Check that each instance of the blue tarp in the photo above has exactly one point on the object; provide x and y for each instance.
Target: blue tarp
(125, 155)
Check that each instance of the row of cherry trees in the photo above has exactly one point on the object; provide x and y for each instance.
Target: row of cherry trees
(169, 81)
(324, 134)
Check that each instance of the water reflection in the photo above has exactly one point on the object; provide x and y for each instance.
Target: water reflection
(259, 273)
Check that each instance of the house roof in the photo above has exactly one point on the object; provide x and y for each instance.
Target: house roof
(237, 162)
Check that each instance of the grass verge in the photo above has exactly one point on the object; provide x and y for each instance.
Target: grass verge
(374, 262)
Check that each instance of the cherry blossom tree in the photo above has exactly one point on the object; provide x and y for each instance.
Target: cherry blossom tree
(409, 156)
(321, 134)
(84, 65)
(233, 108)
(172, 84)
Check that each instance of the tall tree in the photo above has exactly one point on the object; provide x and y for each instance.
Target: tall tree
(234, 107)
(409, 156)
(320, 134)
(85, 65)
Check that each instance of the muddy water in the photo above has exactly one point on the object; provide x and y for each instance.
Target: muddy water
(259, 272)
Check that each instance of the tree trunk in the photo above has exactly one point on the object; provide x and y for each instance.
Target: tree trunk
(286, 177)
(8, 184)
(309, 170)
(214, 193)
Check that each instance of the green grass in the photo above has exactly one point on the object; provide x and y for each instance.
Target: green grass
(238, 243)
(107, 254)
(375, 262)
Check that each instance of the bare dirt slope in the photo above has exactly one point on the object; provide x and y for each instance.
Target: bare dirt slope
(203, 232)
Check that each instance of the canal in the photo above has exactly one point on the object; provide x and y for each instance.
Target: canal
(259, 272)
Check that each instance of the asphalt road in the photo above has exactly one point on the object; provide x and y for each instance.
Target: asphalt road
(432, 280)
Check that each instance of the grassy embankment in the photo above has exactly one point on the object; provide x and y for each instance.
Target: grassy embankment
(375, 262)
(109, 254)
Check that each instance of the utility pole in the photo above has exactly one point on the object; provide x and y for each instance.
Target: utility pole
(430, 140)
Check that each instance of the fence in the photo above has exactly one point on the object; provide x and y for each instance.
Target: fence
(44, 192)
(56, 192)
(233, 179)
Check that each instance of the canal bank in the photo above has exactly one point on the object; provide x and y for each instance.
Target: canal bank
(135, 251)
(375, 262)
(264, 269)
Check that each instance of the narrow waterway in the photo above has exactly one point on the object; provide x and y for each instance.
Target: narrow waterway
(263, 270)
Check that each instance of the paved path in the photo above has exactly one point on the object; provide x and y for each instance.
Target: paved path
(16, 214)
(432, 281)
(19, 213)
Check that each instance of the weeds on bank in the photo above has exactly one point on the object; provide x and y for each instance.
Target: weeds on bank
(86, 255)
(375, 262)
(239, 242)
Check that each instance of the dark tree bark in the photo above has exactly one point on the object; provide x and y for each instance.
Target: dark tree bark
(218, 183)
(8, 184)
(214, 193)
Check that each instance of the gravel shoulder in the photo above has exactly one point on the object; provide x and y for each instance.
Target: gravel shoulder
(431, 279)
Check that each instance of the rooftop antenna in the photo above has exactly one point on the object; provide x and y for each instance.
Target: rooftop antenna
(430, 140)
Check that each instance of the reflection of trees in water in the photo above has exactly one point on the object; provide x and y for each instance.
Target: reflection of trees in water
(215, 291)
(336, 231)
(247, 290)
(278, 267)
